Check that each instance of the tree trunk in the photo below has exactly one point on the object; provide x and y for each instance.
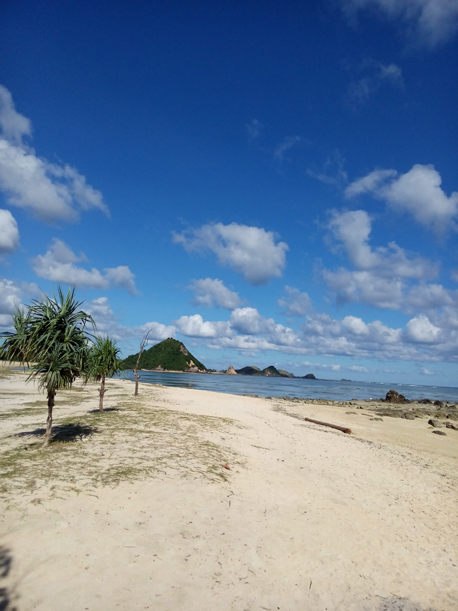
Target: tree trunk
(137, 377)
(136, 374)
(102, 392)
(51, 395)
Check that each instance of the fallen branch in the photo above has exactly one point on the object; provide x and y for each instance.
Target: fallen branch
(332, 426)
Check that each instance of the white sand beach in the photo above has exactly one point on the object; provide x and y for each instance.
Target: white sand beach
(135, 509)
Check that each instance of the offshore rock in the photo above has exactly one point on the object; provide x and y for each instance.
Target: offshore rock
(231, 371)
(394, 397)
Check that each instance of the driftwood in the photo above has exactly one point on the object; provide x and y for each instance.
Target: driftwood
(332, 426)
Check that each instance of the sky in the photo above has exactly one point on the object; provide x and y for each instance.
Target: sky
(270, 183)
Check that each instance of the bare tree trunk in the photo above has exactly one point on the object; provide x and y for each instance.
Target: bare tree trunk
(136, 374)
(137, 377)
(102, 391)
(51, 395)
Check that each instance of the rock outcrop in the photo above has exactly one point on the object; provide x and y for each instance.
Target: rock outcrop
(231, 371)
(394, 397)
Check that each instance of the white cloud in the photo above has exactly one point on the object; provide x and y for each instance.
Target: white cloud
(426, 372)
(352, 229)
(250, 333)
(195, 326)
(295, 303)
(418, 192)
(108, 324)
(420, 329)
(429, 22)
(454, 275)
(50, 191)
(287, 144)
(248, 321)
(58, 265)
(430, 297)
(9, 233)
(378, 75)
(384, 277)
(12, 295)
(369, 183)
(13, 125)
(211, 293)
(250, 251)
(365, 287)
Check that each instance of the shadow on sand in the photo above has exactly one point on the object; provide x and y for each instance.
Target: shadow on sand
(105, 409)
(396, 603)
(6, 597)
(63, 433)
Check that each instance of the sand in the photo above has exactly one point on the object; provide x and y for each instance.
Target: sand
(135, 508)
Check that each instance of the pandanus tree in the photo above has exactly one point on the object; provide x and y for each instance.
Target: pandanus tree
(52, 337)
(103, 362)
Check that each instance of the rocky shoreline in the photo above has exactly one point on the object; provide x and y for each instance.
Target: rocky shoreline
(440, 413)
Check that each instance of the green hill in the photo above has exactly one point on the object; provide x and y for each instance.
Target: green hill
(169, 354)
(248, 371)
(286, 374)
(268, 372)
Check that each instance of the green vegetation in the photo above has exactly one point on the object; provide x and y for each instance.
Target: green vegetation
(248, 371)
(52, 335)
(103, 361)
(169, 354)
(268, 372)
(135, 439)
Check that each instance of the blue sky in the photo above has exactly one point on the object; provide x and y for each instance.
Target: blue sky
(271, 183)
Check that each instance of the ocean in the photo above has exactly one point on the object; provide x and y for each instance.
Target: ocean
(334, 390)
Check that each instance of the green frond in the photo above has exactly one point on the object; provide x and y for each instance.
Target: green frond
(103, 359)
(51, 334)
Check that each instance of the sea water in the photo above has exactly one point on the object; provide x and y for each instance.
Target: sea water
(335, 390)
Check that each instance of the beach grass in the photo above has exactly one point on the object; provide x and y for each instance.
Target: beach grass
(130, 441)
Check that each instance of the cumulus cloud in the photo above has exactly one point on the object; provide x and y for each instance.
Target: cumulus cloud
(421, 329)
(9, 233)
(10, 299)
(428, 22)
(59, 265)
(250, 251)
(195, 326)
(384, 276)
(352, 230)
(418, 192)
(377, 75)
(211, 293)
(295, 303)
(51, 192)
(12, 295)
(366, 287)
(248, 321)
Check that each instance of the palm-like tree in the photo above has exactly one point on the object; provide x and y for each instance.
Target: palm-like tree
(52, 336)
(103, 362)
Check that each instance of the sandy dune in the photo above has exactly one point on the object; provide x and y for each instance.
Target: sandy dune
(139, 512)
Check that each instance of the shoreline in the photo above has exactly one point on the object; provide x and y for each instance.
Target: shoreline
(197, 500)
